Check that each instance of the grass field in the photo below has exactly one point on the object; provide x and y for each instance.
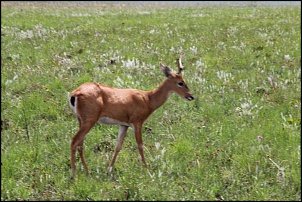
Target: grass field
(240, 139)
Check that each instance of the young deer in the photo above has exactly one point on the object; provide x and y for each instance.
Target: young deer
(93, 102)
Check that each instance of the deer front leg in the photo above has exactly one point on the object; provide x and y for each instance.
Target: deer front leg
(139, 140)
(121, 135)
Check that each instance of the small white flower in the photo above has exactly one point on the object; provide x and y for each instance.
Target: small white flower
(160, 173)
(8, 82)
(163, 151)
(286, 57)
(238, 109)
(157, 144)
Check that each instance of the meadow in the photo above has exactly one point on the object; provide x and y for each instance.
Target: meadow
(240, 139)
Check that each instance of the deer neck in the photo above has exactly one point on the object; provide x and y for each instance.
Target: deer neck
(159, 95)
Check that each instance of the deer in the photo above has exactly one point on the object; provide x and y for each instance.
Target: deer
(95, 103)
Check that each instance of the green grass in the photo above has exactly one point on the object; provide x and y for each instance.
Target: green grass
(243, 65)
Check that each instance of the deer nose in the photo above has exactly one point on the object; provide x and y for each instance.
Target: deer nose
(190, 98)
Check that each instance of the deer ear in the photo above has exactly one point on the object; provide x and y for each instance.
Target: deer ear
(166, 70)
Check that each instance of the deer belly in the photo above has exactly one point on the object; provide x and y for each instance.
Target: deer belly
(110, 121)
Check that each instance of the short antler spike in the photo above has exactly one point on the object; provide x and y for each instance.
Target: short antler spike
(180, 67)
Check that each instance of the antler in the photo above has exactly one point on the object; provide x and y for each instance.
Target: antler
(180, 67)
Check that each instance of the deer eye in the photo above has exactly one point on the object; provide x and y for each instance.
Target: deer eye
(181, 84)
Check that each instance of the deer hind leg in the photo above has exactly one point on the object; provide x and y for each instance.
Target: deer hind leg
(121, 135)
(78, 140)
(80, 149)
